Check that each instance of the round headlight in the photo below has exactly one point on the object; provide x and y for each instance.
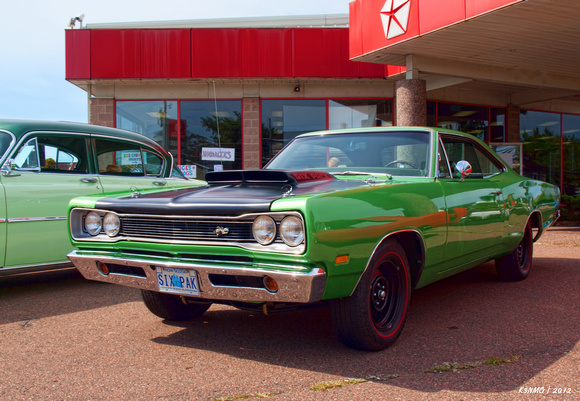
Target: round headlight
(292, 231)
(111, 224)
(264, 230)
(93, 223)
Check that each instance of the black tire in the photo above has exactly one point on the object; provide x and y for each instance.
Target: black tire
(373, 317)
(516, 265)
(171, 307)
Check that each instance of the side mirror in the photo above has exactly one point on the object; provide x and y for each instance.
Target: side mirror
(8, 168)
(463, 168)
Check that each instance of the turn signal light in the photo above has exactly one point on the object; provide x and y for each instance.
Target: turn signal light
(341, 259)
(103, 268)
(270, 284)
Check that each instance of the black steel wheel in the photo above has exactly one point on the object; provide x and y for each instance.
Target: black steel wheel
(516, 265)
(172, 307)
(373, 317)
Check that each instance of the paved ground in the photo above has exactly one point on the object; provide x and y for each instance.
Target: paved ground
(64, 338)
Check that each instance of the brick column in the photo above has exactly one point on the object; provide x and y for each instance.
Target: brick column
(102, 111)
(251, 133)
(513, 124)
(411, 102)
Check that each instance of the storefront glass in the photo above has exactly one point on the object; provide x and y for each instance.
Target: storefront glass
(571, 161)
(431, 114)
(283, 119)
(204, 131)
(471, 119)
(156, 119)
(540, 134)
(208, 139)
(497, 124)
(354, 113)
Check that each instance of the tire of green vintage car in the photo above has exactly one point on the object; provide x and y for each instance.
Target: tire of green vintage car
(516, 265)
(373, 317)
(171, 307)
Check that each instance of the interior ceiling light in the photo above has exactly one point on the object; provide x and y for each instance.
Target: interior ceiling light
(464, 113)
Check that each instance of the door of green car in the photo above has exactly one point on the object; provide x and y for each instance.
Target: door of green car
(474, 203)
(127, 166)
(46, 172)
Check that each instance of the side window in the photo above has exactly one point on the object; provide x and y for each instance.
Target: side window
(482, 165)
(27, 156)
(126, 158)
(53, 154)
(153, 163)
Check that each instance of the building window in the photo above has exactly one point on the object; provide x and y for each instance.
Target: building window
(540, 133)
(486, 123)
(283, 119)
(471, 119)
(497, 124)
(202, 135)
(155, 119)
(354, 113)
(571, 147)
(210, 140)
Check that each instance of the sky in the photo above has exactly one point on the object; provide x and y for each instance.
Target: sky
(32, 44)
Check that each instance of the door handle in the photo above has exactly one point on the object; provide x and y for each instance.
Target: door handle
(159, 183)
(89, 180)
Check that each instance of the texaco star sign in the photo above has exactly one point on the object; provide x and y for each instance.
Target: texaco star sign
(395, 17)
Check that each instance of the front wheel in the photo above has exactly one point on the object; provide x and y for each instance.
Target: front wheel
(373, 317)
(516, 265)
(172, 307)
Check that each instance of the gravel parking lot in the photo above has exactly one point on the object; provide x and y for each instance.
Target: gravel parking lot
(65, 338)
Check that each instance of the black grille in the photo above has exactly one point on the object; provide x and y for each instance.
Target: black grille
(186, 230)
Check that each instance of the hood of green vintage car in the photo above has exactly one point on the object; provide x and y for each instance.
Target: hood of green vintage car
(230, 193)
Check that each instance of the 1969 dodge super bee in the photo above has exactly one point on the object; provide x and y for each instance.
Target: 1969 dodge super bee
(354, 217)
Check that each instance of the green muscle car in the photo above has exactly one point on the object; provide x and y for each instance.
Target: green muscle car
(357, 218)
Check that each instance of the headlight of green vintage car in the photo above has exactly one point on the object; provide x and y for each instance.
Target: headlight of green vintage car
(354, 217)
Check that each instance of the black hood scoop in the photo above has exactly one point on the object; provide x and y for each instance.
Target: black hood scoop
(267, 177)
(229, 193)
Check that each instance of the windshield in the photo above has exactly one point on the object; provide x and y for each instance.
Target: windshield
(5, 141)
(398, 153)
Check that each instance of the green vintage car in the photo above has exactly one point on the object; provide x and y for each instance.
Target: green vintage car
(354, 217)
(46, 164)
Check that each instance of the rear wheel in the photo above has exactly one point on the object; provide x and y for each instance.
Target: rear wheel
(172, 307)
(373, 317)
(516, 265)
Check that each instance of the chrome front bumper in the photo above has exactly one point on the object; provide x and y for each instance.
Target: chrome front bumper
(299, 287)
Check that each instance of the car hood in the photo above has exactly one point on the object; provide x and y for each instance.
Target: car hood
(230, 193)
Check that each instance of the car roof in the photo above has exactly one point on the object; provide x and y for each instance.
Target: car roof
(19, 128)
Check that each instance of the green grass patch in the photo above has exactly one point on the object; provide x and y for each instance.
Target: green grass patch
(242, 396)
(325, 386)
(455, 367)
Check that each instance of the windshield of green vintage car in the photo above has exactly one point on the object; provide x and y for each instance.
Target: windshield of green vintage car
(5, 141)
(397, 153)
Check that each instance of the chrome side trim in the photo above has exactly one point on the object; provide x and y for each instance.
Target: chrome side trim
(13, 270)
(26, 219)
(305, 287)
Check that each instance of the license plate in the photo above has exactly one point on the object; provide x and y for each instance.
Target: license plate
(177, 281)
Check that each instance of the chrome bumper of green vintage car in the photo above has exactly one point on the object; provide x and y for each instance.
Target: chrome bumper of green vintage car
(203, 280)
